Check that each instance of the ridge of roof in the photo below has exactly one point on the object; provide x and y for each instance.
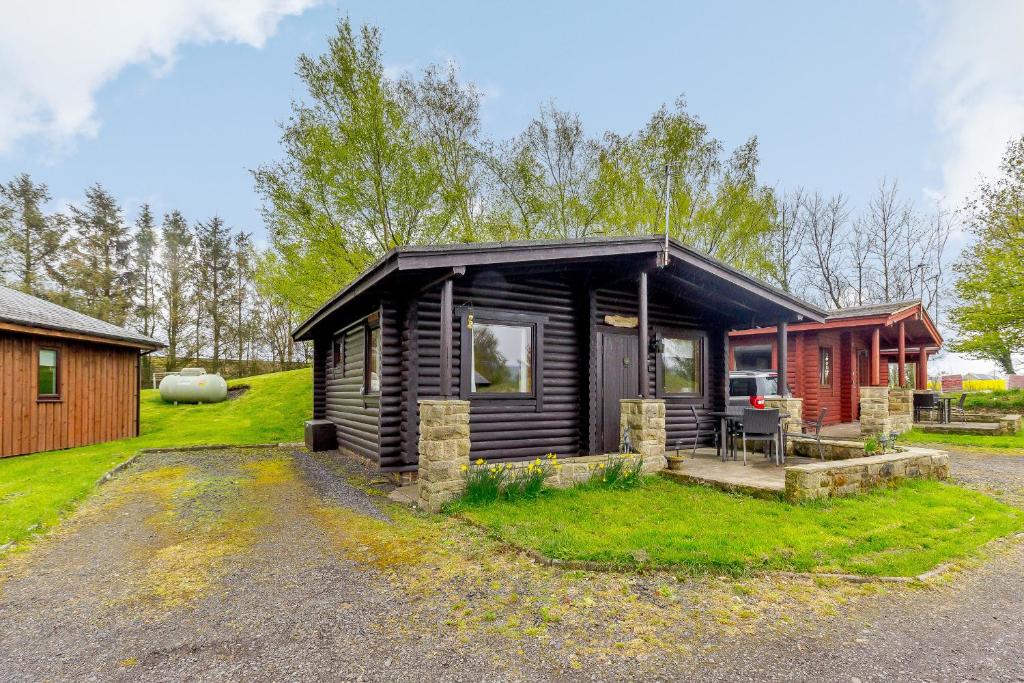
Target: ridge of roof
(25, 309)
(872, 309)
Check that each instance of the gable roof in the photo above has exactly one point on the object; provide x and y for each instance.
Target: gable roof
(411, 258)
(871, 310)
(26, 310)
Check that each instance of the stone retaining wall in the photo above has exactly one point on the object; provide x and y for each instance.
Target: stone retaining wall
(579, 469)
(847, 477)
(834, 449)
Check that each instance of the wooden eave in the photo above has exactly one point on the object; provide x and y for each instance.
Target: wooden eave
(915, 312)
(75, 336)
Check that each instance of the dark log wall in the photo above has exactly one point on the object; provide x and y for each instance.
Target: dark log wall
(355, 416)
(98, 394)
(667, 311)
(505, 428)
(321, 347)
(393, 387)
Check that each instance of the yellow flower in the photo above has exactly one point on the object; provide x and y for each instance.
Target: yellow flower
(464, 468)
(480, 461)
(601, 466)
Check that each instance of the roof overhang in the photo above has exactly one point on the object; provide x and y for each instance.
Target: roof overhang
(415, 258)
(57, 333)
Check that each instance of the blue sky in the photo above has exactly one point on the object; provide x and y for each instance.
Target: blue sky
(173, 102)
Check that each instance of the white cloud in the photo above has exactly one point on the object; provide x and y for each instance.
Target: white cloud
(55, 56)
(975, 65)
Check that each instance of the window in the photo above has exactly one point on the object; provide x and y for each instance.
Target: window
(49, 377)
(502, 359)
(337, 350)
(753, 357)
(371, 378)
(681, 365)
(825, 366)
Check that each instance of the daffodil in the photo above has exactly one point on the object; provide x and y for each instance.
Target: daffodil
(480, 461)
(464, 468)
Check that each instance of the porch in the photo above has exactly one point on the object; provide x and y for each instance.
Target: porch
(760, 477)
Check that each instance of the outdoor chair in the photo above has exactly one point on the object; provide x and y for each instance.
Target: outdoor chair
(761, 425)
(958, 410)
(812, 428)
(925, 403)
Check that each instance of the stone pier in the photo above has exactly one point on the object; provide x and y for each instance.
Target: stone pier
(901, 409)
(443, 450)
(645, 420)
(793, 406)
(874, 411)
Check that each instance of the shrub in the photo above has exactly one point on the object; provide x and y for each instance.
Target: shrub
(870, 445)
(617, 473)
(487, 483)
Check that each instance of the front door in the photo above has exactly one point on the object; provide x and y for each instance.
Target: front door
(618, 381)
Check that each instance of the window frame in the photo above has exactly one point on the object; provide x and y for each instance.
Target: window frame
(698, 336)
(55, 397)
(485, 316)
(372, 322)
(831, 367)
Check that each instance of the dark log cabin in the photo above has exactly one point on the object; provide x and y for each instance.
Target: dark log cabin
(65, 379)
(543, 338)
(859, 346)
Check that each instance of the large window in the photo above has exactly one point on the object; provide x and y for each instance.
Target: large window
(371, 379)
(503, 359)
(681, 365)
(753, 357)
(49, 375)
(825, 366)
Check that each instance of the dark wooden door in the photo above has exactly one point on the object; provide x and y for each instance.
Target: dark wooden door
(618, 381)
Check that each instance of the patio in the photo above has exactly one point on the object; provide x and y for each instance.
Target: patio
(759, 477)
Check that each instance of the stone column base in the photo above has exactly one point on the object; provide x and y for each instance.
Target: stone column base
(901, 409)
(443, 450)
(874, 411)
(793, 406)
(645, 420)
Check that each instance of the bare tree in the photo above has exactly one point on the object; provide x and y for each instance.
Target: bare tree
(825, 223)
(890, 221)
(785, 241)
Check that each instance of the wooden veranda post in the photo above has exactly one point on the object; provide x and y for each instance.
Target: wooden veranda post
(446, 339)
(642, 341)
(876, 352)
(901, 349)
(782, 353)
(922, 368)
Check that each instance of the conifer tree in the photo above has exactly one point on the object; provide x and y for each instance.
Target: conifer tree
(176, 258)
(144, 256)
(30, 240)
(217, 279)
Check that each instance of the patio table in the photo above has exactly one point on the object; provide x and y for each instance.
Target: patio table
(735, 414)
(945, 409)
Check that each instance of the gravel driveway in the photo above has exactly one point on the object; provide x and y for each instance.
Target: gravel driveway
(276, 565)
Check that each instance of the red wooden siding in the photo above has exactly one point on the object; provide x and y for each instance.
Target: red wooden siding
(98, 395)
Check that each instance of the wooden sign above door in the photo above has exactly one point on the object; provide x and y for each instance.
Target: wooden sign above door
(621, 321)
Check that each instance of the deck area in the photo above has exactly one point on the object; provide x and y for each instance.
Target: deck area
(759, 477)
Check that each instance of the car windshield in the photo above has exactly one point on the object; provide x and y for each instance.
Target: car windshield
(753, 386)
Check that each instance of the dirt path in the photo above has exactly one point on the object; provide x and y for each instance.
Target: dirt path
(270, 565)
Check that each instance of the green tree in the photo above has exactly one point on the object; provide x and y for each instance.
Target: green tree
(990, 273)
(243, 257)
(176, 266)
(98, 271)
(216, 279)
(358, 176)
(144, 255)
(30, 240)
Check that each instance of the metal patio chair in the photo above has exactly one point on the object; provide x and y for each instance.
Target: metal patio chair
(812, 428)
(925, 403)
(761, 425)
(958, 410)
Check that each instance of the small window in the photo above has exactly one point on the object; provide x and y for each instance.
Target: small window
(337, 351)
(681, 366)
(49, 376)
(371, 377)
(753, 357)
(825, 366)
(502, 359)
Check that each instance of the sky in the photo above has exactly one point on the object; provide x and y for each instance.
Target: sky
(173, 102)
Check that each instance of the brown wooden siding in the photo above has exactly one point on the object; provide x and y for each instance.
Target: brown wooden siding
(355, 416)
(98, 395)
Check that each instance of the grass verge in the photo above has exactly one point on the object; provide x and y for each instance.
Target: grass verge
(899, 531)
(972, 440)
(35, 490)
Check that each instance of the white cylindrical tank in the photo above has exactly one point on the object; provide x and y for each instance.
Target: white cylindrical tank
(193, 385)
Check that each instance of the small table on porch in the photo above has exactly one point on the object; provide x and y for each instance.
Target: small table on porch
(735, 414)
(945, 409)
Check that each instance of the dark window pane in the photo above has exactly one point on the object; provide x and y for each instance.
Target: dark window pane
(502, 359)
(681, 366)
(825, 366)
(753, 357)
(47, 372)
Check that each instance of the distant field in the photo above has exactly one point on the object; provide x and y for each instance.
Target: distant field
(35, 490)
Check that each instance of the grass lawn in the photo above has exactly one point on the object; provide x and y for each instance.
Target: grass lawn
(1010, 400)
(900, 531)
(36, 489)
(971, 440)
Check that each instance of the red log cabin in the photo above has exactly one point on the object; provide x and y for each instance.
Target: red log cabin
(827, 362)
(65, 379)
